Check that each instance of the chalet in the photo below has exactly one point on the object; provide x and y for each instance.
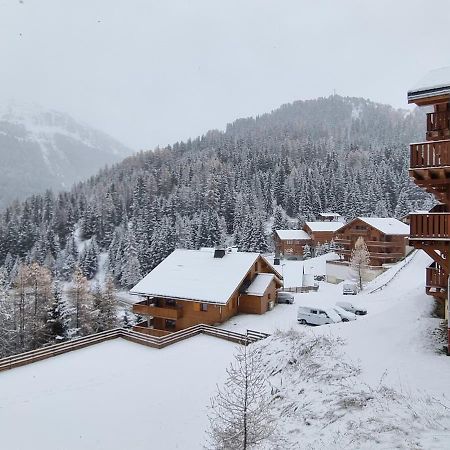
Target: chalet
(191, 287)
(330, 217)
(430, 169)
(321, 232)
(385, 238)
(290, 243)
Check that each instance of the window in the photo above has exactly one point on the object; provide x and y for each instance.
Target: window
(170, 324)
(269, 296)
(170, 302)
(203, 307)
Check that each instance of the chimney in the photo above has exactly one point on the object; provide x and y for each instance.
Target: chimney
(219, 253)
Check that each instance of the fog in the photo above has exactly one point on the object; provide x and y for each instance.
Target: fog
(154, 72)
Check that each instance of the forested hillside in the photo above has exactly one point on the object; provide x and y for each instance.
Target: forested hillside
(347, 155)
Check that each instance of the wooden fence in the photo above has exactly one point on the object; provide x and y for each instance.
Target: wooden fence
(150, 341)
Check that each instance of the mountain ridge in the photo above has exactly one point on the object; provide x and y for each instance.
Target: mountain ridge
(47, 149)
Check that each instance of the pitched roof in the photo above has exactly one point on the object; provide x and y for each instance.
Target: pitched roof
(292, 235)
(197, 275)
(328, 214)
(434, 83)
(259, 285)
(323, 226)
(387, 225)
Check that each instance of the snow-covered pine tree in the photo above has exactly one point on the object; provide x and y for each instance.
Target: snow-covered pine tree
(280, 220)
(58, 316)
(89, 259)
(105, 307)
(131, 267)
(8, 329)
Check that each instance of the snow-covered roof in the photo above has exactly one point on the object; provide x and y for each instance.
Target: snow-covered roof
(292, 235)
(324, 214)
(387, 225)
(323, 226)
(260, 284)
(197, 275)
(434, 83)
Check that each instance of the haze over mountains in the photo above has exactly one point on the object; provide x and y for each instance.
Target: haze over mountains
(43, 149)
(342, 154)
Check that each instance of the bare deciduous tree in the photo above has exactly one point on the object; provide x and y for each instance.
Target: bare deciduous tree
(359, 261)
(240, 416)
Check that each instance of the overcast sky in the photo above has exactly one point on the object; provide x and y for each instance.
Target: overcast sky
(152, 72)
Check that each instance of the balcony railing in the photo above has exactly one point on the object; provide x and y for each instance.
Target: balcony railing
(165, 312)
(436, 277)
(430, 154)
(143, 327)
(374, 255)
(430, 226)
(382, 244)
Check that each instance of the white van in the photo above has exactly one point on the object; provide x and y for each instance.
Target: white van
(316, 316)
(349, 306)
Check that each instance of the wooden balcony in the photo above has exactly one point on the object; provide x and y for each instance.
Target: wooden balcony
(143, 328)
(438, 125)
(376, 244)
(430, 154)
(373, 255)
(166, 312)
(430, 226)
(436, 277)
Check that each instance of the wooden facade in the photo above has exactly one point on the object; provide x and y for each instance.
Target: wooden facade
(321, 232)
(288, 244)
(430, 169)
(164, 315)
(383, 248)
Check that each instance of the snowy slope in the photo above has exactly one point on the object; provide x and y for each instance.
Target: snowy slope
(378, 382)
(115, 395)
(42, 149)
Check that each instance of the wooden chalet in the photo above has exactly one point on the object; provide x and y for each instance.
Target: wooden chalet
(385, 238)
(290, 243)
(430, 169)
(321, 231)
(208, 286)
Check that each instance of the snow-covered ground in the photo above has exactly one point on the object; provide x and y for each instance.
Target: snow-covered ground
(119, 395)
(114, 395)
(394, 338)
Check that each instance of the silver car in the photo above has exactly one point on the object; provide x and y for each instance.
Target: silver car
(285, 297)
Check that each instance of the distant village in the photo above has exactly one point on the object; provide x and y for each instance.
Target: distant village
(210, 285)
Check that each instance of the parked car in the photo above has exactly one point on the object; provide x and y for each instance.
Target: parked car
(348, 306)
(349, 289)
(285, 297)
(316, 316)
(346, 316)
(319, 277)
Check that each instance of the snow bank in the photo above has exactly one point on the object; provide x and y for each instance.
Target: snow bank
(323, 400)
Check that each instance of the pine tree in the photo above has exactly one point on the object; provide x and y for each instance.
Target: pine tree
(58, 317)
(105, 304)
(131, 267)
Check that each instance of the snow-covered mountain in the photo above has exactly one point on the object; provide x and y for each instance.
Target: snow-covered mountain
(41, 149)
